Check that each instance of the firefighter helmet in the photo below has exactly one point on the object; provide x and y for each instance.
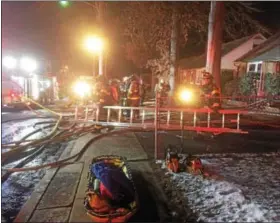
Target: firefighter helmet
(206, 75)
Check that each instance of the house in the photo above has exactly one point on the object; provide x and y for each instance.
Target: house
(265, 58)
(190, 69)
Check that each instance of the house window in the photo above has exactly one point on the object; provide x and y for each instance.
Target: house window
(254, 67)
(259, 67)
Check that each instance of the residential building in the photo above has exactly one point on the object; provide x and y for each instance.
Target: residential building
(263, 59)
(190, 69)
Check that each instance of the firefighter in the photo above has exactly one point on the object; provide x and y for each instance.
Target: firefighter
(163, 89)
(115, 90)
(210, 91)
(102, 95)
(133, 96)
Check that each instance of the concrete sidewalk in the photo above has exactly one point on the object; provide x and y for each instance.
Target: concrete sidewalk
(60, 195)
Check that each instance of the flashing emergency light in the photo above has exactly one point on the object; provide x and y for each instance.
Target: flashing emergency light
(9, 62)
(81, 88)
(28, 64)
(186, 95)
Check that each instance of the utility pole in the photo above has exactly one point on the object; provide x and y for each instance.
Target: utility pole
(100, 7)
(173, 49)
(214, 45)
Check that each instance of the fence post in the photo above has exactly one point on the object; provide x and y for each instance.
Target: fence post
(156, 126)
(76, 112)
(86, 113)
(108, 114)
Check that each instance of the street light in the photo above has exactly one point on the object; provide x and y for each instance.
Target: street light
(28, 65)
(64, 4)
(95, 45)
(10, 62)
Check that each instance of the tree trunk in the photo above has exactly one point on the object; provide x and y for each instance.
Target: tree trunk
(173, 50)
(214, 51)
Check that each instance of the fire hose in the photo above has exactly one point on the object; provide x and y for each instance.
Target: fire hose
(38, 150)
(47, 139)
(27, 159)
(52, 138)
(78, 155)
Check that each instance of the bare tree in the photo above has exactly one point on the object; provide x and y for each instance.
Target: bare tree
(153, 28)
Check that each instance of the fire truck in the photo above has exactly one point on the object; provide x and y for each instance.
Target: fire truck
(11, 93)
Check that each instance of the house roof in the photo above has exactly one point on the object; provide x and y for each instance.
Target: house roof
(266, 51)
(273, 54)
(200, 61)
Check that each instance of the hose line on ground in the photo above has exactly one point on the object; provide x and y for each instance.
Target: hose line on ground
(78, 155)
(24, 139)
(53, 140)
(21, 148)
(26, 160)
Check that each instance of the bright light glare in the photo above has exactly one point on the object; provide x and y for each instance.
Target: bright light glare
(82, 88)
(28, 64)
(186, 95)
(94, 44)
(48, 83)
(9, 62)
(35, 87)
(64, 3)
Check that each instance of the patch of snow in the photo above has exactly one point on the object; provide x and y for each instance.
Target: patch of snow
(14, 131)
(19, 186)
(248, 191)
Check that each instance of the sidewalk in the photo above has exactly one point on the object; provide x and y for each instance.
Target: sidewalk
(60, 194)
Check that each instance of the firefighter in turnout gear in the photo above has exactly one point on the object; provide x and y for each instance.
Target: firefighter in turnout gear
(210, 92)
(163, 89)
(103, 94)
(114, 86)
(133, 96)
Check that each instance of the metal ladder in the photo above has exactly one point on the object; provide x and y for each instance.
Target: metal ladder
(150, 117)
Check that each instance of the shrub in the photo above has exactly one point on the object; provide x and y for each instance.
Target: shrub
(226, 77)
(247, 84)
(272, 83)
(231, 88)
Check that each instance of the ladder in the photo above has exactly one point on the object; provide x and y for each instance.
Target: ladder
(164, 118)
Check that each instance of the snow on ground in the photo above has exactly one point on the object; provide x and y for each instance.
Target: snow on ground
(248, 189)
(14, 131)
(19, 186)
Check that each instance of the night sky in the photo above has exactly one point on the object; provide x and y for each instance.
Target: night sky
(48, 32)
